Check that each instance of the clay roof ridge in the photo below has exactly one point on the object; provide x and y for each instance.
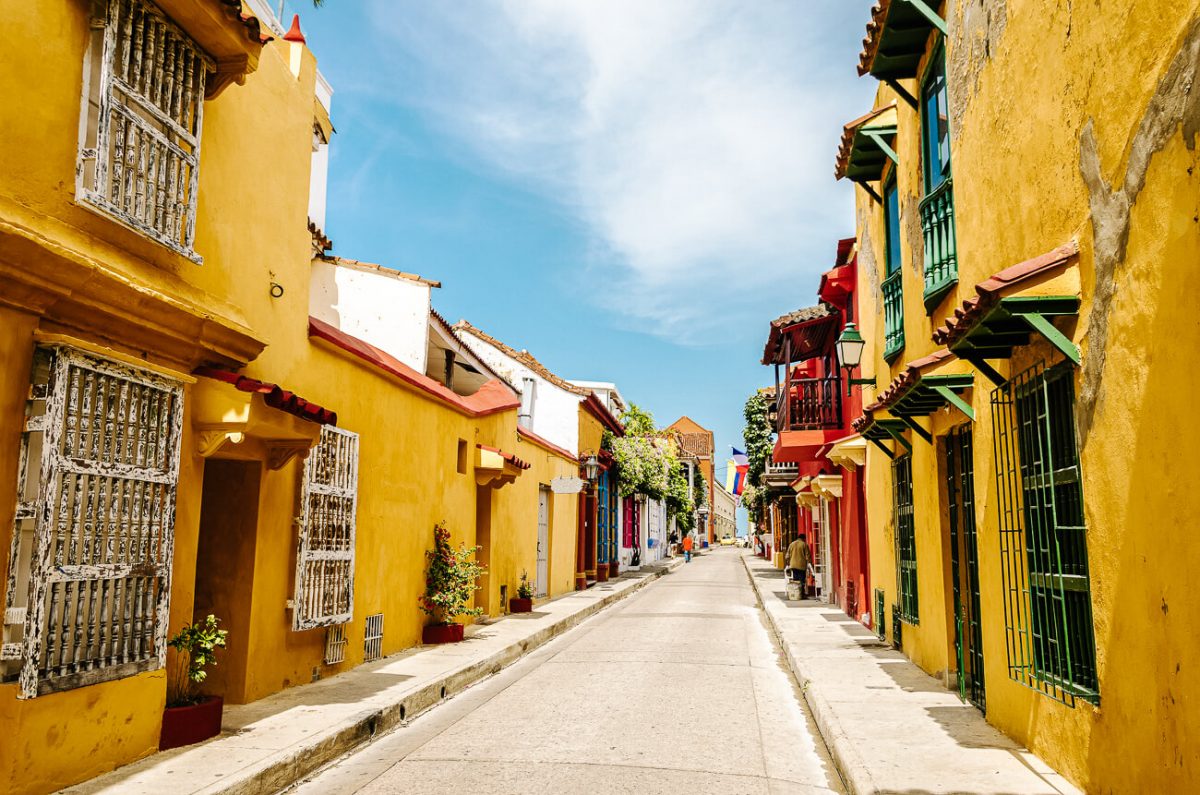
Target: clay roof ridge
(382, 270)
(524, 357)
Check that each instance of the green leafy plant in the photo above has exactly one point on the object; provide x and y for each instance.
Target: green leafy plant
(525, 589)
(757, 435)
(196, 645)
(450, 580)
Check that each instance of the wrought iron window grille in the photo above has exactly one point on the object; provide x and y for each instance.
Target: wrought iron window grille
(906, 542)
(1043, 538)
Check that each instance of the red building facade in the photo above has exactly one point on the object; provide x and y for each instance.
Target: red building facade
(815, 476)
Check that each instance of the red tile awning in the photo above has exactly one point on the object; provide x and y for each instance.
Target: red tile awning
(509, 457)
(274, 395)
(990, 291)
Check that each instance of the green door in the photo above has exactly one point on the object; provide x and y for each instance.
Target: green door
(964, 559)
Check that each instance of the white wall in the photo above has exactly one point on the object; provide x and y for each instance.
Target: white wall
(555, 410)
(390, 313)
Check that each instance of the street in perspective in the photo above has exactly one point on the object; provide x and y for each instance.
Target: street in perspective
(574, 396)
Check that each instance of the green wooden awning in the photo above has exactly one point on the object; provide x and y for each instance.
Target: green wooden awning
(878, 431)
(867, 145)
(1008, 324)
(897, 38)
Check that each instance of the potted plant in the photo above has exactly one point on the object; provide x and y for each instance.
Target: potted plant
(449, 583)
(523, 601)
(189, 716)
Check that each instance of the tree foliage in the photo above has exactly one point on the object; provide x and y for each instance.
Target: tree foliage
(757, 435)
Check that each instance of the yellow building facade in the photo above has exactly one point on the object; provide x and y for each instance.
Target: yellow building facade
(155, 267)
(1027, 195)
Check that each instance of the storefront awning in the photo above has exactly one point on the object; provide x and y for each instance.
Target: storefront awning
(867, 144)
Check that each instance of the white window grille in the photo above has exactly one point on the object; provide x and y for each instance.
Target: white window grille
(325, 559)
(143, 104)
(373, 638)
(89, 574)
(335, 644)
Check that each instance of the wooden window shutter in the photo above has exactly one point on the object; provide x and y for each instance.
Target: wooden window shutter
(325, 557)
(90, 573)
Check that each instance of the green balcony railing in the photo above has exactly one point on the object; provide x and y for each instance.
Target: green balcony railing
(893, 315)
(941, 249)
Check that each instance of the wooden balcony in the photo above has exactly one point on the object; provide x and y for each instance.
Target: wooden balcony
(809, 404)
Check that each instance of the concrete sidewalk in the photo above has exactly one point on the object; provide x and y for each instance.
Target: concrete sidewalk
(890, 726)
(272, 743)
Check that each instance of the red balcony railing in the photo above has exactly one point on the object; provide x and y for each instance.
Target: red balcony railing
(810, 404)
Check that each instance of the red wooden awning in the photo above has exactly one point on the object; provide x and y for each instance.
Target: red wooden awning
(274, 395)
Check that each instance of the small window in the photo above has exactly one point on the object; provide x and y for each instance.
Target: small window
(462, 456)
(373, 638)
(335, 644)
(935, 124)
(906, 541)
(140, 132)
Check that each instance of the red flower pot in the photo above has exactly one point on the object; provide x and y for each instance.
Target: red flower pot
(191, 724)
(519, 605)
(442, 633)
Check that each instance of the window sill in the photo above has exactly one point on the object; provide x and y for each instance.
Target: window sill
(93, 204)
(936, 293)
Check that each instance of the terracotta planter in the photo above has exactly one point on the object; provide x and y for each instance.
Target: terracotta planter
(442, 633)
(191, 724)
(519, 605)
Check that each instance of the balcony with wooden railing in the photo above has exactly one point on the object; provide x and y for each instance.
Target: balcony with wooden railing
(941, 249)
(809, 404)
(893, 314)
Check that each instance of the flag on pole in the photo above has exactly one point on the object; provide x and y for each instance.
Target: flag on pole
(735, 472)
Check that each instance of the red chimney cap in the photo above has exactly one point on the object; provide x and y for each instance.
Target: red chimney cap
(294, 33)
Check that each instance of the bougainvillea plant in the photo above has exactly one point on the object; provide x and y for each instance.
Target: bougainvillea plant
(450, 580)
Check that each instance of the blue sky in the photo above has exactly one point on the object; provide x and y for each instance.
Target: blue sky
(629, 190)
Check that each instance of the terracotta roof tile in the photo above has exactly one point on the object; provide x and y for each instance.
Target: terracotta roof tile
(870, 42)
(274, 395)
(907, 378)
(990, 290)
(382, 270)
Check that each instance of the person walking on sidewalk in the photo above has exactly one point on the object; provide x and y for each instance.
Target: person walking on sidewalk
(797, 562)
(687, 548)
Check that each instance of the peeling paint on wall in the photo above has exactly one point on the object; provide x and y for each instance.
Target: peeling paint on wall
(978, 28)
(1174, 103)
(866, 258)
(910, 217)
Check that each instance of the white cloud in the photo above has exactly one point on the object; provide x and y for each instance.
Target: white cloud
(694, 138)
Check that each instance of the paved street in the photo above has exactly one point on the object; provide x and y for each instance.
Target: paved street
(677, 689)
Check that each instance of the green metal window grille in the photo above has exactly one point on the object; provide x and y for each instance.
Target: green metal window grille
(880, 621)
(1043, 538)
(964, 564)
(937, 208)
(906, 539)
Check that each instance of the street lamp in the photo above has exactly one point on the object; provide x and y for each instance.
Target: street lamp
(850, 346)
(591, 468)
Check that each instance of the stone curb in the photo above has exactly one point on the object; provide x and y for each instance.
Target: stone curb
(291, 766)
(850, 764)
